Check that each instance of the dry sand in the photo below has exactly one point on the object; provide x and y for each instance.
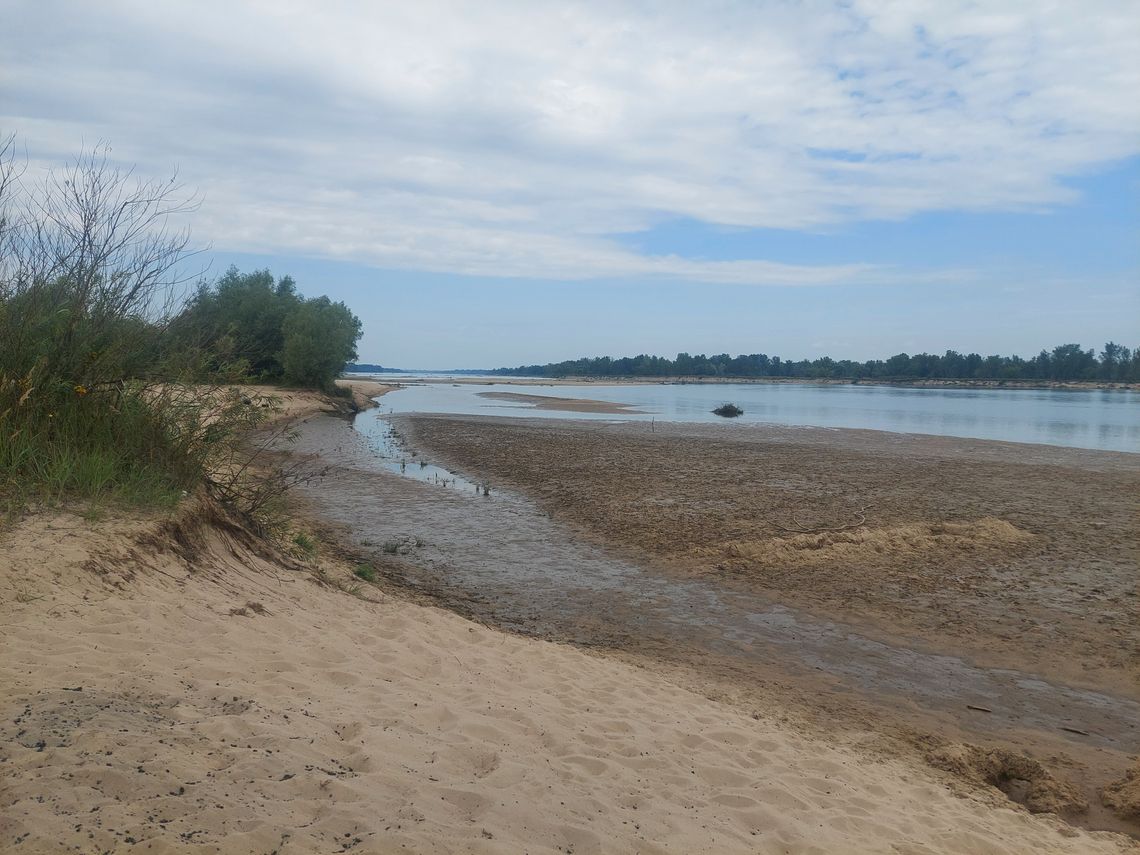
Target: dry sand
(567, 405)
(302, 403)
(168, 689)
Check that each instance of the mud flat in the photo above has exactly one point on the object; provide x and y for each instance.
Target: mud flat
(953, 592)
(1023, 556)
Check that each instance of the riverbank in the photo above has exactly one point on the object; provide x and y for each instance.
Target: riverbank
(173, 683)
(170, 686)
(936, 557)
(302, 403)
(973, 545)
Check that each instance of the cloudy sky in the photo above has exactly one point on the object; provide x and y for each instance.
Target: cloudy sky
(497, 183)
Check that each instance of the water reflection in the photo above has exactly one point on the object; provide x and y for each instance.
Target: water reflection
(385, 444)
(1098, 419)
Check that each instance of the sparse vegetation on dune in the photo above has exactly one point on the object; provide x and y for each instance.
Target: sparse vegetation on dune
(104, 394)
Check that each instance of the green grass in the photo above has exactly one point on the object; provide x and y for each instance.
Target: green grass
(107, 449)
(305, 543)
(120, 444)
(365, 572)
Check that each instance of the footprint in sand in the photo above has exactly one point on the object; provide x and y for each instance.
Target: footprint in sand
(592, 765)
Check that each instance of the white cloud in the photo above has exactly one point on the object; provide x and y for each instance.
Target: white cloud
(515, 139)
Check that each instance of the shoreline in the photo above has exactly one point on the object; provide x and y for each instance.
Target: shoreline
(507, 380)
(239, 696)
(985, 567)
(235, 700)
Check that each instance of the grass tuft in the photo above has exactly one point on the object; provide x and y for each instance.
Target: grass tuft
(365, 572)
(305, 544)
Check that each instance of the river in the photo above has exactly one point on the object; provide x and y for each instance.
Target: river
(1100, 419)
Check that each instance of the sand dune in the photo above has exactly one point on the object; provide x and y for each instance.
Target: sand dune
(165, 689)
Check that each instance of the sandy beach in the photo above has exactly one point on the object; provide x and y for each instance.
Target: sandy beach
(168, 689)
(173, 684)
(1010, 558)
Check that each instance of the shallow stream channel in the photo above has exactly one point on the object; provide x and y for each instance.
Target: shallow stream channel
(497, 557)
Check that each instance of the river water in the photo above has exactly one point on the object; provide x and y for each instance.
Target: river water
(1103, 419)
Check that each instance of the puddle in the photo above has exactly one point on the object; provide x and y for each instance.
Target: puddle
(385, 443)
(506, 562)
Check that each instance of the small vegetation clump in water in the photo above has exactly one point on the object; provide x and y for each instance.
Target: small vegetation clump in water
(729, 411)
(402, 545)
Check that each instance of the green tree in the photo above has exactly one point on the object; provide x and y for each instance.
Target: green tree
(1070, 362)
(319, 338)
(236, 325)
(1114, 360)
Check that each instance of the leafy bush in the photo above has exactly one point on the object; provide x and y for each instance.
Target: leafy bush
(88, 270)
(94, 393)
(729, 411)
(319, 338)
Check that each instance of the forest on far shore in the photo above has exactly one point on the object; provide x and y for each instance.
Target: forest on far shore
(1064, 363)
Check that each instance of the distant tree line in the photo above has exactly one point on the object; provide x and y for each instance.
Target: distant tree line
(369, 368)
(1066, 362)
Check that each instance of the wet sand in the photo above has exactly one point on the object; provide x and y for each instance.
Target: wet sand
(1022, 556)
